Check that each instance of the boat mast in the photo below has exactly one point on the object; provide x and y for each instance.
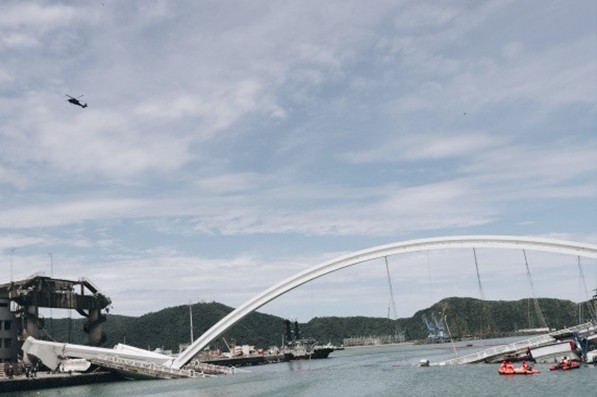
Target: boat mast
(191, 321)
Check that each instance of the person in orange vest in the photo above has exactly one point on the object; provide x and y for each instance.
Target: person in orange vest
(503, 367)
(510, 366)
(565, 363)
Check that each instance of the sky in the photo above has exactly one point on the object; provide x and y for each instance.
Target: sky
(228, 145)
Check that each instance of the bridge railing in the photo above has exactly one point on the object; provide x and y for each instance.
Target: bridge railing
(143, 368)
(499, 350)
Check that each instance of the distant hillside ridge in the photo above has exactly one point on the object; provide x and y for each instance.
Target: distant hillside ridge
(466, 317)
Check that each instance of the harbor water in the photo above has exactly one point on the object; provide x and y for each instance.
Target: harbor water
(364, 371)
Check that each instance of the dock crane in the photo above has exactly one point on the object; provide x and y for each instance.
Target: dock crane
(431, 330)
(439, 326)
(436, 328)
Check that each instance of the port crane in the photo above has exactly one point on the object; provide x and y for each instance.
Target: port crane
(436, 329)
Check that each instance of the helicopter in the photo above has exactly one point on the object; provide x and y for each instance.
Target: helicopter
(75, 101)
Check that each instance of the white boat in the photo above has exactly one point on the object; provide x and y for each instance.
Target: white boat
(555, 352)
(592, 357)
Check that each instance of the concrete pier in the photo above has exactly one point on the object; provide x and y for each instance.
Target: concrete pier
(46, 380)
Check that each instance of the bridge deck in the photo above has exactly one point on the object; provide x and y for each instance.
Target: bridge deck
(520, 347)
(146, 370)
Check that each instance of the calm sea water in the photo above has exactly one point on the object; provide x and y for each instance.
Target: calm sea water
(372, 371)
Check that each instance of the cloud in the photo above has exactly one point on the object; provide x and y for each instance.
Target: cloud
(230, 147)
(17, 240)
(219, 108)
(537, 172)
(426, 16)
(67, 212)
(552, 75)
(230, 183)
(96, 143)
(19, 40)
(20, 15)
(26, 25)
(389, 210)
(428, 146)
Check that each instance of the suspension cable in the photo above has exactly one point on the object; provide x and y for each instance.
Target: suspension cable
(587, 296)
(392, 301)
(478, 275)
(535, 300)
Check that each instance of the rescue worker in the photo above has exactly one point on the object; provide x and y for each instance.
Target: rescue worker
(526, 367)
(510, 367)
(503, 367)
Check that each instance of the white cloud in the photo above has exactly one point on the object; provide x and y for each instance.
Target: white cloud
(13, 40)
(512, 49)
(17, 240)
(67, 212)
(538, 172)
(429, 146)
(426, 16)
(22, 15)
(235, 146)
(229, 183)
(216, 108)
(25, 26)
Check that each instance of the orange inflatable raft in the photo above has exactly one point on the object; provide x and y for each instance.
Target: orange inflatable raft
(518, 371)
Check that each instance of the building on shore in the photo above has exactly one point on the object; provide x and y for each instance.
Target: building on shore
(374, 340)
(9, 346)
(21, 300)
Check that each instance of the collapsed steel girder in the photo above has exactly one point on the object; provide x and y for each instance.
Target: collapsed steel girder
(53, 353)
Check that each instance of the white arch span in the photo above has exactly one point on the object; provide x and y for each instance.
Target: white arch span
(512, 242)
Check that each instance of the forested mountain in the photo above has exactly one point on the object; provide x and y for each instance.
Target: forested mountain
(168, 328)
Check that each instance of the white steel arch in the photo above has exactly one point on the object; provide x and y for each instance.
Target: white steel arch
(508, 242)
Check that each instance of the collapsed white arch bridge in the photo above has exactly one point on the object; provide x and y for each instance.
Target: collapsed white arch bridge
(139, 360)
(322, 269)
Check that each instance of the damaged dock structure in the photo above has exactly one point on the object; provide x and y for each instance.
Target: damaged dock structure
(23, 346)
(21, 300)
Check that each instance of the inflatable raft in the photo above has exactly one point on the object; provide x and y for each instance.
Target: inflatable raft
(518, 371)
(572, 365)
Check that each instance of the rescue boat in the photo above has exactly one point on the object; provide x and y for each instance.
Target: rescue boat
(518, 371)
(572, 365)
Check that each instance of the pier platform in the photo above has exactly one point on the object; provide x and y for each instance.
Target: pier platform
(49, 380)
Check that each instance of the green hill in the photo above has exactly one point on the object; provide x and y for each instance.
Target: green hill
(168, 328)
